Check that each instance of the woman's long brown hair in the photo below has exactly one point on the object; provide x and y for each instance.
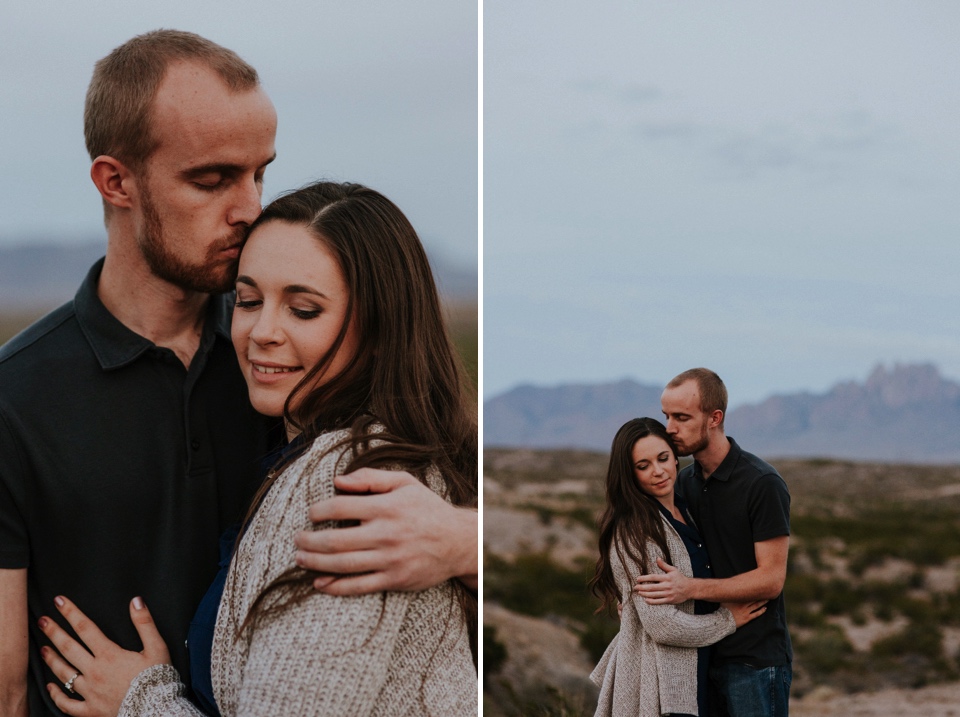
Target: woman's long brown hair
(631, 517)
(406, 376)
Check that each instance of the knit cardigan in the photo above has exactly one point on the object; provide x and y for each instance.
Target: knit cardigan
(650, 668)
(389, 653)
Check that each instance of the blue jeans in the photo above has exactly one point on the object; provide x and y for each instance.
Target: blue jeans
(738, 690)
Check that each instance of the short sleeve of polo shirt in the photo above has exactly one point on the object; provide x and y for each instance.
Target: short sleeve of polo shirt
(14, 544)
(769, 508)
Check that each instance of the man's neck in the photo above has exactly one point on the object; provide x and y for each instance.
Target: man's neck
(712, 456)
(165, 314)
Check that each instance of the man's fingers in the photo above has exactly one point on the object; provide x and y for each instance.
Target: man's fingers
(373, 480)
(353, 584)
(340, 540)
(347, 507)
(363, 561)
(153, 645)
(649, 579)
(656, 601)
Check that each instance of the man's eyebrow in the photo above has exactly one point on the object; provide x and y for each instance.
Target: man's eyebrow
(220, 168)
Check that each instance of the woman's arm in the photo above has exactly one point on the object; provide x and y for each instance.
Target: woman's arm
(327, 655)
(668, 624)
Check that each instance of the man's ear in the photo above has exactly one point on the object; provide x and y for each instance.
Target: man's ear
(114, 180)
(716, 419)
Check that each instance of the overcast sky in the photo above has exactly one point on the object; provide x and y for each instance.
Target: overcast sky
(378, 92)
(768, 189)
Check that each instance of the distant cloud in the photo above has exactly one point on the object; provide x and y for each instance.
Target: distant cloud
(631, 93)
(807, 147)
(655, 131)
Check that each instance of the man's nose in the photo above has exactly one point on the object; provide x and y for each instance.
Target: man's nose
(246, 207)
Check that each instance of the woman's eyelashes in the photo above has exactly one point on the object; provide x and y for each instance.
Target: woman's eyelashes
(247, 303)
(302, 314)
(305, 314)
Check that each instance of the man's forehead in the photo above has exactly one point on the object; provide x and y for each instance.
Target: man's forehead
(686, 395)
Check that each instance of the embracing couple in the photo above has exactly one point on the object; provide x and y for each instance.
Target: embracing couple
(311, 431)
(674, 544)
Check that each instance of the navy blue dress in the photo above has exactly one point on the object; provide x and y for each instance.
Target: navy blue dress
(700, 562)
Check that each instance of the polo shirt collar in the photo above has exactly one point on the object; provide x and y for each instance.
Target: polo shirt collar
(114, 344)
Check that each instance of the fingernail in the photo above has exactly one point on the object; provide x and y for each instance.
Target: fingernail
(42, 622)
(43, 651)
(138, 603)
(59, 601)
(298, 558)
(321, 583)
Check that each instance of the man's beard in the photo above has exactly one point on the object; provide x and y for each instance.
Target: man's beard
(701, 443)
(213, 277)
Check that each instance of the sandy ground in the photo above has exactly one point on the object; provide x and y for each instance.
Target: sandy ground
(935, 701)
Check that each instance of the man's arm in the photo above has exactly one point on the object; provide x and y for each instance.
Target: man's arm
(765, 582)
(409, 538)
(15, 643)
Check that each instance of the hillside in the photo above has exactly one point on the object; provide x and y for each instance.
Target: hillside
(907, 413)
(873, 587)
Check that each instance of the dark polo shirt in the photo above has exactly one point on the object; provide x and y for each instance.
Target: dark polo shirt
(744, 502)
(119, 469)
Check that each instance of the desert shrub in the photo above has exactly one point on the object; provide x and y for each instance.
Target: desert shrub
(535, 585)
(802, 615)
(494, 653)
(597, 634)
(917, 638)
(839, 597)
(801, 588)
(825, 651)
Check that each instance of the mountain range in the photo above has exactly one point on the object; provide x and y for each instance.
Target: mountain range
(44, 275)
(909, 413)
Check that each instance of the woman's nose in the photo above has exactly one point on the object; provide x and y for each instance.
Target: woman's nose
(266, 330)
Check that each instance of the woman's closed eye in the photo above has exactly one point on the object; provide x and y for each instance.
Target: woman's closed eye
(305, 314)
(247, 303)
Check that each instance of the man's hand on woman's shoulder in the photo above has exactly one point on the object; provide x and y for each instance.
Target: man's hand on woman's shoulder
(408, 537)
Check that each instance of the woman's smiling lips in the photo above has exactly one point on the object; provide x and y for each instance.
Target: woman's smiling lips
(267, 372)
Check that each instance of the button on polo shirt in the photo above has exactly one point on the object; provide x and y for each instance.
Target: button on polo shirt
(119, 469)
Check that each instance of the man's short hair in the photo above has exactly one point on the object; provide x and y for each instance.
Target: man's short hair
(713, 394)
(116, 117)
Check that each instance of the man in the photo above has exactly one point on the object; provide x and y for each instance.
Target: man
(127, 443)
(742, 508)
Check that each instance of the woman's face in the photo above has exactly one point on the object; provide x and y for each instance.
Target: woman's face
(655, 466)
(291, 303)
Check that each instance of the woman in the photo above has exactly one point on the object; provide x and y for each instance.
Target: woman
(337, 328)
(652, 667)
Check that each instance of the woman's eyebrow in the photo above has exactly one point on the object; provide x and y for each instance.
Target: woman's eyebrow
(243, 279)
(301, 289)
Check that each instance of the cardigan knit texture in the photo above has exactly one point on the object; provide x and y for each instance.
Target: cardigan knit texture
(389, 653)
(650, 668)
